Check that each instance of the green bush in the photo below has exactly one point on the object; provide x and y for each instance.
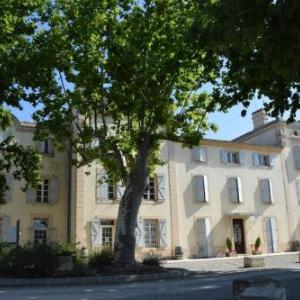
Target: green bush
(151, 258)
(101, 258)
(257, 243)
(229, 244)
(35, 259)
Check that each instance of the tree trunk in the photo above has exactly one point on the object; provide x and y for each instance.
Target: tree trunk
(124, 248)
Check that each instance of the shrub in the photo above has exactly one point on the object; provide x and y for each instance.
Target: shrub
(229, 244)
(101, 258)
(257, 243)
(151, 258)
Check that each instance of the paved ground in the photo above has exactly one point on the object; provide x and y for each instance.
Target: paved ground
(209, 286)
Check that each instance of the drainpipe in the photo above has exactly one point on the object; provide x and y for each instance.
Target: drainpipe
(69, 200)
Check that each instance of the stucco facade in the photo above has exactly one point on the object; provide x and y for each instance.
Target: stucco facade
(201, 196)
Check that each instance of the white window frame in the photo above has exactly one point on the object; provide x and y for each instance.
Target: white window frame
(41, 230)
(264, 160)
(103, 242)
(44, 190)
(150, 192)
(233, 157)
(151, 233)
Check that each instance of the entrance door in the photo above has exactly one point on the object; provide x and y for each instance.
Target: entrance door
(238, 235)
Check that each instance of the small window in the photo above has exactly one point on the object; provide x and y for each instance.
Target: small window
(40, 228)
(264, 160)
(233, 157)
(42, 192)
(149, 193)
(151, 233)
(111, 192)
(107, 236)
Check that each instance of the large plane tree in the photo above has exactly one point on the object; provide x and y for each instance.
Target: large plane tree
(114, 79)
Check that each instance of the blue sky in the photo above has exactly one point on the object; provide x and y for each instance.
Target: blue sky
(230, 124)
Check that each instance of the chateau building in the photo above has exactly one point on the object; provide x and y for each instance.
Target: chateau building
(240, 189)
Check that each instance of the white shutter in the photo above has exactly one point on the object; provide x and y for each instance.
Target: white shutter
(242, 156)
(161, 187)
(96, 233)
(274, 235)
(139, 233)
(120, 190)
(240, 190)
(204, 234)
(196, 153)
(199, 190)
(255, 157)
(233, 189)
(9, 183)
(163, 238)
(205, 179)
(271, 191)
(272, 160)
(203, 154)
(101, 186)
(268, 235)
(9, 230)
(224, 158)
(296, 152)
(31, 195)
(266, 191)
(53, 190)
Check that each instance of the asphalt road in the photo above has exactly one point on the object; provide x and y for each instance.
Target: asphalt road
(209, 286)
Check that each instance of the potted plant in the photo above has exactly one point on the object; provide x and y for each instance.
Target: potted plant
(230, 250)
(257, 246)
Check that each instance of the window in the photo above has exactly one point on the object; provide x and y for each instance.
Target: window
(296, 153)
(199, 154)
(151, 233)
(234, 187)
(111, 192)
(266, 190)
(42, 193)
(40, 228)
(200, 183)
(233, 157)
(149, 193)
(107, 236)
(265, 160)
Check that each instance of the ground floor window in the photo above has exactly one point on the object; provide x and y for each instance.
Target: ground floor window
(151, 233)
(40, 230)
(107, 237)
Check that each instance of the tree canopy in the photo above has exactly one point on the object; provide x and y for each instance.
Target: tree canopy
(16, 26)
(258, 43)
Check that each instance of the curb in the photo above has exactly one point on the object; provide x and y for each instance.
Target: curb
(95, 280)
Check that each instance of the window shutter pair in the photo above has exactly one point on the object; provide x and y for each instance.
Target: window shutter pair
(266, 191)
(204, 234)
(139, 234)
(271, 234)
(296, 154)
(200, 183)
(255, 158)
(53, 191)
(235, 189)
(199, 154)
(102, 187)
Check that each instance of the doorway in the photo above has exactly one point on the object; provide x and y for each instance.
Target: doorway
(238, 235)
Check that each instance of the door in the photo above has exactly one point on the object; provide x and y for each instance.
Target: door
(271, 235)
(238, 235)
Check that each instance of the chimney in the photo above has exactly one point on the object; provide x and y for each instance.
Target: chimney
(259, 118)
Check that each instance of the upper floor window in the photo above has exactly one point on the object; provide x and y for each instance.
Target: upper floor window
(199, 154)
(266, 190)
(45, 147)
(263, 160)
(42, 192)
(40, 230)
(200, 184)
(149, 193)
(232, 157)
(235, 189)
